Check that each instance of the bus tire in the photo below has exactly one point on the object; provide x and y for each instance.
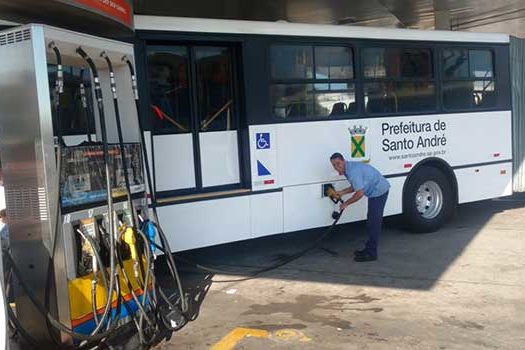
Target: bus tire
(428, 200)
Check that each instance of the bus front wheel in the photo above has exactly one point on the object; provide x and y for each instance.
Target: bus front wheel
(428, 200)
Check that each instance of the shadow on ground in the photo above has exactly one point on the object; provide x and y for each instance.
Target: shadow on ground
(407, 260)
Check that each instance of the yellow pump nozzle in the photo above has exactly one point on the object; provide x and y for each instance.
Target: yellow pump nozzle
(129, 238)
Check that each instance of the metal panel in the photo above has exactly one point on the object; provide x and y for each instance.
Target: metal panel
(199, 224)
(26, 146)
(4, 331)
(305, 207)
(266, 214)
(126, 104)
(28, 158)
(517, 67)
(496, 181)
(219, 158)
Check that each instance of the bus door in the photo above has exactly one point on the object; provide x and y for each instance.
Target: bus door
(194, 116)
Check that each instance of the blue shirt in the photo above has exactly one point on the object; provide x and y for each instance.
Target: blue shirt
(365, 177)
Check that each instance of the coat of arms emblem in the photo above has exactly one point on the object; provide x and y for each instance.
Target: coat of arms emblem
(358, 141)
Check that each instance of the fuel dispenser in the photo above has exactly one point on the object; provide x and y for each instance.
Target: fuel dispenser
(81, 244)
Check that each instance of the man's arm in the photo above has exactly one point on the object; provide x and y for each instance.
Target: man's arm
(345, 191)
(357, 196)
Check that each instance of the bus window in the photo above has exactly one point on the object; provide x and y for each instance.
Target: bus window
(468, 79)
(214, 88)
(292, 62)
(398, 80)
(169, 90)
(332, 62)
(292, 100)
(302, 90)
(455, 64)
(481, 64)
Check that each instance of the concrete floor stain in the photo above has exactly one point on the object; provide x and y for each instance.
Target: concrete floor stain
(462, 324)
(309, 308)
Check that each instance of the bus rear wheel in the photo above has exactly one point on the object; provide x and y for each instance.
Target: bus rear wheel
(428, 200)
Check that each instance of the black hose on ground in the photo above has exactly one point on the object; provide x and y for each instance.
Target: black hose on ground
(253, 274)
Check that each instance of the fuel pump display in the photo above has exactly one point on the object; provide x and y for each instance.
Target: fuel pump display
(83, 178)
(83, 246)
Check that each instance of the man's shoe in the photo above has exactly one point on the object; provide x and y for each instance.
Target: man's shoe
(365, 257)
(361, 252)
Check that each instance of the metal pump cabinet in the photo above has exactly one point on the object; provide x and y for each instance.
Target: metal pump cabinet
(27, 150)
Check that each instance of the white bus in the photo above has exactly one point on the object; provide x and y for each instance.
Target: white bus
(242, 118)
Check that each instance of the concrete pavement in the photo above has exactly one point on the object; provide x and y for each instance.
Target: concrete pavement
(460, 288)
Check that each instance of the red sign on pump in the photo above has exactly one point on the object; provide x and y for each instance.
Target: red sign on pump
(119, 10)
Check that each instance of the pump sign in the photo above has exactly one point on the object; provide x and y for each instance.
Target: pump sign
(118, 10)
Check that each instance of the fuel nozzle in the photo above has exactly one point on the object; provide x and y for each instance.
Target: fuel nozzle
(128, 236)
(330, 192)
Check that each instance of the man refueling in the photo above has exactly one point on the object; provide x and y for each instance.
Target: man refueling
(365, 180)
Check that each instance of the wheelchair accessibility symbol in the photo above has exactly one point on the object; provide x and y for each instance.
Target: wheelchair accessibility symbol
(263, 140)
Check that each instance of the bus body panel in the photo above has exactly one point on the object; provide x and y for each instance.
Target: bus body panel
(306, 207)
(266, 214)
(204, 223)
(394, 145)
(484, 182)
(296, 155)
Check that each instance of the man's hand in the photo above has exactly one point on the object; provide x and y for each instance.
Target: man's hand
(357, 196)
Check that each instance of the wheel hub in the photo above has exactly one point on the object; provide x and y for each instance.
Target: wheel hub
(429, 199)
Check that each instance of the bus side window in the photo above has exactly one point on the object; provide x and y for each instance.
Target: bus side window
(458, 94)
(302, 90)
(468, 79)
(398, 80)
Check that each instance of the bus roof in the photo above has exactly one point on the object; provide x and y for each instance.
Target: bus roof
(205, 25)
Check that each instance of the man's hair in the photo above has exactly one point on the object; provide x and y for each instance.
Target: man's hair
(337, 155)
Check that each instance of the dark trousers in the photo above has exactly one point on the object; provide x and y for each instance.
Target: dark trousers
(376, 207)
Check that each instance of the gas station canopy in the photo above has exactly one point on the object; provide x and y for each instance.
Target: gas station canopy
(115, 17)
(506, 16)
